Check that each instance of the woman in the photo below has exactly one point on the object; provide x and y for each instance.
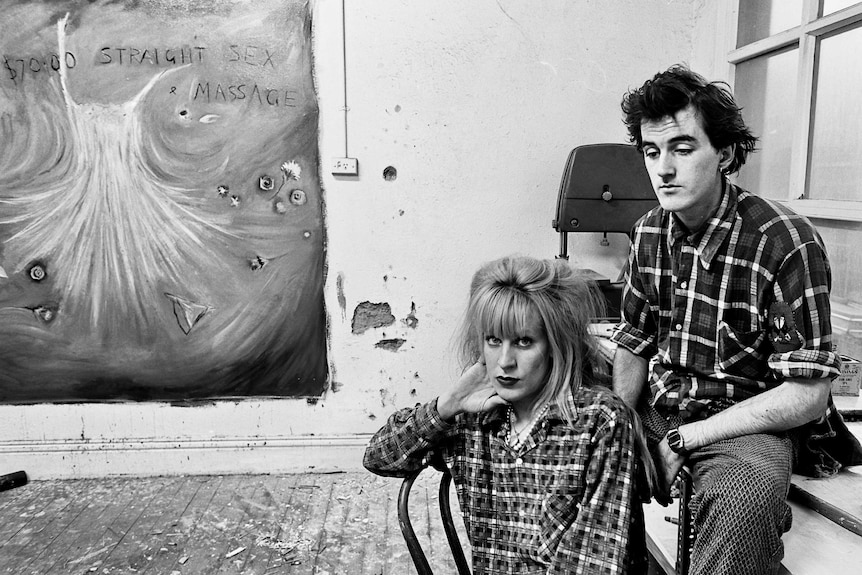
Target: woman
(541, 452)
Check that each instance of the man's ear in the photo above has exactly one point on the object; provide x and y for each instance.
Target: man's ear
(726, 157)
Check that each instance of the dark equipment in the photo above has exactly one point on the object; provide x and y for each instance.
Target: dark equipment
(12, 480)
(605, 189)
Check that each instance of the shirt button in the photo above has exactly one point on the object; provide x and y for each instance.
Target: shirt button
(683, 285)
(521, 512)
(679, 327)
(519, 461)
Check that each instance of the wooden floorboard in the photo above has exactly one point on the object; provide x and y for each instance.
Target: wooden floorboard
(171, 535)
(204, 551)
(266, 511)
(16, 511)
(93, 534)
(68, 527)
(375, 494)
(313, 531)
(28, 540)
(309, 524)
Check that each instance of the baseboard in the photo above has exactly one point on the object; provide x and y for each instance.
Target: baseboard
(78, 459)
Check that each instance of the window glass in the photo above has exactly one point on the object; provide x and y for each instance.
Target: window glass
(835, 171)
(845, 257)
(830, 6)
(761, 18)
(766, 91)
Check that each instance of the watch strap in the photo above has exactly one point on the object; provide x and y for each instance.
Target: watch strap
(675, 441)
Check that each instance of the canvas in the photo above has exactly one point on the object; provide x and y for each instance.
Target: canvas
(161, 213)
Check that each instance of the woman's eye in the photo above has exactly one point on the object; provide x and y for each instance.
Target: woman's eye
(492, 340)
(524, 342)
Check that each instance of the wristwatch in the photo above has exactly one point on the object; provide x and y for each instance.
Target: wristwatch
(675, 441)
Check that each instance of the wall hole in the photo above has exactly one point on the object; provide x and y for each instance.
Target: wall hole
(390, 173)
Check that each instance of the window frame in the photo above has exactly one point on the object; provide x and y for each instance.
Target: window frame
(805, 38)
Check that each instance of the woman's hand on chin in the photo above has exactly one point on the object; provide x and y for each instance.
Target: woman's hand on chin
(472, 393)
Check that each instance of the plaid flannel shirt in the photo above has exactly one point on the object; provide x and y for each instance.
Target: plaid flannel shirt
(565, 502)
(698, 307)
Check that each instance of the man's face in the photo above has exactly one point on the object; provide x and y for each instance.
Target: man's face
(683, 166)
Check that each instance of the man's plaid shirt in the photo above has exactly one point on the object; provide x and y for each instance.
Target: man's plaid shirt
(696, 305)
(564, 502)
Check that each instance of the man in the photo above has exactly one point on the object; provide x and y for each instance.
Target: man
(726, 344)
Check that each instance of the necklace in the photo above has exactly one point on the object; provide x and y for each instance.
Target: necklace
(516, 439)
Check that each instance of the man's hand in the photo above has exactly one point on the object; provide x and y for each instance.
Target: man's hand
(668, 464)
(472, 393)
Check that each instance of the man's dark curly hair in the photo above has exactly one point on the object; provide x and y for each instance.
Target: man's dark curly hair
(675, 89)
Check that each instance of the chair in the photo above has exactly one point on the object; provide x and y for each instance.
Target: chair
(685, 530)
(416, 553)
(605, 189)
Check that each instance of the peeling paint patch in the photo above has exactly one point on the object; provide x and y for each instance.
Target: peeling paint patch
(411, 321)
(342, 300)
(337, 386)
(369, 315)
(390, 344)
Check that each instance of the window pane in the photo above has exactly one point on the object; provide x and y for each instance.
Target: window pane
(762, 18)
(835, 172)
(830, 6)
(766, 90)
(842, 245)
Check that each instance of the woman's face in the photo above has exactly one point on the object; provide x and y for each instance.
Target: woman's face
(519, 365)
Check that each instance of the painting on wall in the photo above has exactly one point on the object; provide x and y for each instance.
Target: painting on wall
(161, 214)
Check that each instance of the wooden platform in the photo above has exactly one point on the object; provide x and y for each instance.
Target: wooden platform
(344, 523)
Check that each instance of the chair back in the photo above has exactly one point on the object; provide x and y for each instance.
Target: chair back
(413, 545)
(605, 188)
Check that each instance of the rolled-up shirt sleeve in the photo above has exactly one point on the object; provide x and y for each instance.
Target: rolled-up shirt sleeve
(404, 443)
(804, 283)
(637, 331)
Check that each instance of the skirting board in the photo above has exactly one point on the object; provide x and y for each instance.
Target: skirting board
(147, 457)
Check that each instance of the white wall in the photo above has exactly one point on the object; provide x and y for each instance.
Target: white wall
(476, 104)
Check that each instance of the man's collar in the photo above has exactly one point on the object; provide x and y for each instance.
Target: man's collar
(712, 234)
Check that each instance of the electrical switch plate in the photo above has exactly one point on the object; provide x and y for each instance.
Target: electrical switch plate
(345, 167)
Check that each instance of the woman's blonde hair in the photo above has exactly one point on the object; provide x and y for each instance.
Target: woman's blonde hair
(505, 293)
